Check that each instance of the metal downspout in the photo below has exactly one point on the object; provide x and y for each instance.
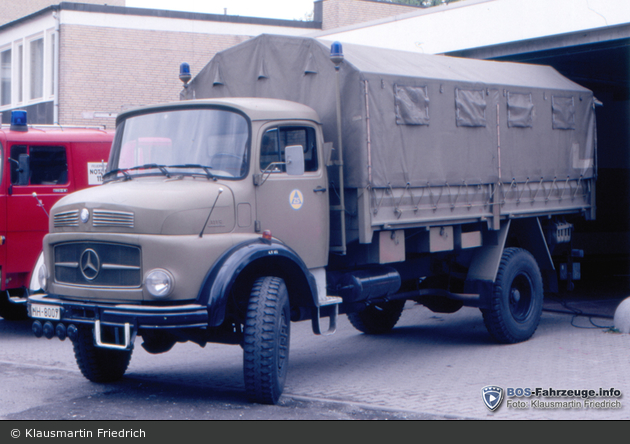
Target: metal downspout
(56, 69)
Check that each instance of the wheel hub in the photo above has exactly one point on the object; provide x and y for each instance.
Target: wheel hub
(515, 296)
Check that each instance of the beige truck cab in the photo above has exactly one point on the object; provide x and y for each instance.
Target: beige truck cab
(178, 243)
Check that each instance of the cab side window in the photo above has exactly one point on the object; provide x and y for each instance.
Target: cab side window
(275, 140)
(48, 164)
(16, 150)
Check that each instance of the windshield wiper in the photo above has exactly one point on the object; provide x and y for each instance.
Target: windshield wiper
(147, 166)
(124, 171)
(206, 169)
(116, 171)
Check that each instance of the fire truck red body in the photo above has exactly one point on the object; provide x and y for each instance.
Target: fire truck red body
(40, 165)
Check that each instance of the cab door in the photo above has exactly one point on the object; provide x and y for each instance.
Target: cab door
(293, 208)
(3, 213)
(26, 214)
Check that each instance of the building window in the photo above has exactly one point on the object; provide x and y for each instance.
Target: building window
(20, 73)
(51, 63)
(5, 77)
(27, 69)
(37, 68)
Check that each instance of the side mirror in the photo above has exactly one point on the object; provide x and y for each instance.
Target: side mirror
(294, 155)
(24, 172)
(328, 153)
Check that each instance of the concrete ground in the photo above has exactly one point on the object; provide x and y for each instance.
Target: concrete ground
(431, 366)
(438, 363)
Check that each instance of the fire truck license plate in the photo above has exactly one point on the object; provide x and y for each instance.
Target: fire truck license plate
(45, 312)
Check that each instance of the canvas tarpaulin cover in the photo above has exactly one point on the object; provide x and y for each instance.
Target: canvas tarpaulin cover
(411, 119)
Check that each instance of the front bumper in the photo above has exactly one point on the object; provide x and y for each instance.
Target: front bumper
(137, 316)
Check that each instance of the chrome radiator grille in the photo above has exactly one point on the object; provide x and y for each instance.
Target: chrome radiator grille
(107, 218)
(98, 264)
(67, 219)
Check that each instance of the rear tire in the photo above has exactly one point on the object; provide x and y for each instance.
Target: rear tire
(266, 340)
(379, 318)
(99, 364)
(517, 299)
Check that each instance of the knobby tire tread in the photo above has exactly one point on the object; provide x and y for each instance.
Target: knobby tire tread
(496, 318)
(377, 319)
(99, 364)
(265, 345)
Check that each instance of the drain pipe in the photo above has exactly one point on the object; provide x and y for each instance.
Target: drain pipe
(55, 68)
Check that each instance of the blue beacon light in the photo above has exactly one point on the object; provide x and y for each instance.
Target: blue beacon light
(19, 120)
(336, 54)
(184, 73)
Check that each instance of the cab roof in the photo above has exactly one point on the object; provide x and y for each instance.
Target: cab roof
(255, 108)
(56, 134)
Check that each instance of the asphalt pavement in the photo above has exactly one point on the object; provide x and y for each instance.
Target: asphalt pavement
(431, 366)
(438, 364)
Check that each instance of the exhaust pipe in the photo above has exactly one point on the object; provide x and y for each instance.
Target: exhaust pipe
(361, 285)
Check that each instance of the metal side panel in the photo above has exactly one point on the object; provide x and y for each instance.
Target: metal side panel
(485, 262)
(531, 237)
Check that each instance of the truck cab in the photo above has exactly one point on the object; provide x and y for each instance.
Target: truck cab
(40, 165)
(207, 208)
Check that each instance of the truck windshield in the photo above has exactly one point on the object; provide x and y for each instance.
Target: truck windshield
(211, 142)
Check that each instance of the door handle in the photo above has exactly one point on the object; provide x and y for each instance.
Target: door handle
(319, 189)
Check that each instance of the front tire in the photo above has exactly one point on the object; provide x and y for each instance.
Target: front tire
(517, 299)
(266, 340)
(99, 364)
(379, 318)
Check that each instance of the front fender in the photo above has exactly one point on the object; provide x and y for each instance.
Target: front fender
(257, 252)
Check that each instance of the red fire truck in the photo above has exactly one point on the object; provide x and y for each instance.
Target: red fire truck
(40, 165)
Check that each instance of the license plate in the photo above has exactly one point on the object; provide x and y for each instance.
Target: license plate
(45, 312)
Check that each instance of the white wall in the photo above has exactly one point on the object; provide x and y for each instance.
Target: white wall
(476, 23)
(149, 23)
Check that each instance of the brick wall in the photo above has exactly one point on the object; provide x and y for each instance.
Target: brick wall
(110, 70)
(11, 10)
(338, 13)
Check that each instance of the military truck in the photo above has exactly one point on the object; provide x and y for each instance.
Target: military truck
(285, 187)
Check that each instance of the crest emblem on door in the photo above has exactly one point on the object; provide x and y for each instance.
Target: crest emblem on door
(296, 199)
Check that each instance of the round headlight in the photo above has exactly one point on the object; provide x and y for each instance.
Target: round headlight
(159, 283)
(41, 275)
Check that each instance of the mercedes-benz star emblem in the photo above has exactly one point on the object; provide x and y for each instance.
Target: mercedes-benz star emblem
(84, 215)
(90, 264)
